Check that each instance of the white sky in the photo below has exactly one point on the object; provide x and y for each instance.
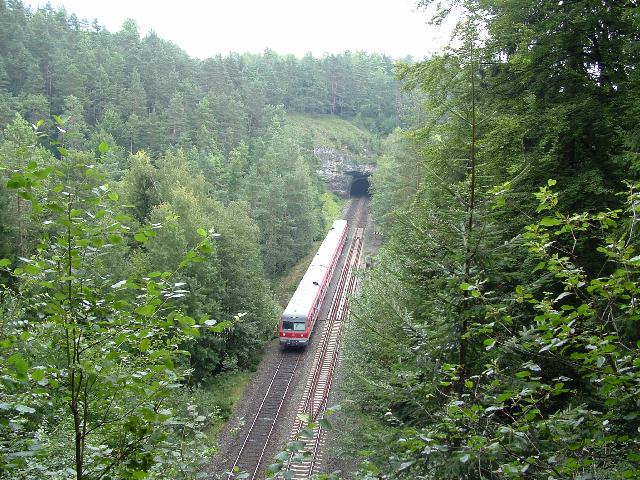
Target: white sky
(204, 28)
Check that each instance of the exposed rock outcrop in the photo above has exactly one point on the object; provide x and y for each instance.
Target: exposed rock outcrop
(338, 169)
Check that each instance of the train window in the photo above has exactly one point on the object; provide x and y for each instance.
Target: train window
(295, 326)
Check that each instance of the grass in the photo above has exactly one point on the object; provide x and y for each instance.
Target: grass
(223, 392)
(337, 133)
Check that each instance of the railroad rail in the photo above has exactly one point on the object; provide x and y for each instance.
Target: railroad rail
(317, 389)
(255, 443)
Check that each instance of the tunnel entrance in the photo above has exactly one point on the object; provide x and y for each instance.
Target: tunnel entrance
(360, 186)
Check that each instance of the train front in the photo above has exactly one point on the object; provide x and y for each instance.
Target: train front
(293, 330)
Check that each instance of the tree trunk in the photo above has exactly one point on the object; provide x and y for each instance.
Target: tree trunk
(462, 353)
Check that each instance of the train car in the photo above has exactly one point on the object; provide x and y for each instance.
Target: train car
(298, 319)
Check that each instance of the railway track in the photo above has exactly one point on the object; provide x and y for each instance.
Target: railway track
(357, 213)
(251, 453)
(351, 209)
(317, 389)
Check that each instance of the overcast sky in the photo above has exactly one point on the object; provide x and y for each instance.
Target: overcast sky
(207, 27)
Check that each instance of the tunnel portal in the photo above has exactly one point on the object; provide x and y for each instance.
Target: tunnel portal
(359, 185)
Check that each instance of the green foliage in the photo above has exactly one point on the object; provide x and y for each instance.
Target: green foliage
(90, 356)
(497, 337)
(22, 163)
(140, 187)
(553, 387)
(107, 320)
(176, 193)
(184, 144)
(331, 208)
(397, 179)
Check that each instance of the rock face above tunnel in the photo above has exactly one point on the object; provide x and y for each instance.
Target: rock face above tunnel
(338, 169)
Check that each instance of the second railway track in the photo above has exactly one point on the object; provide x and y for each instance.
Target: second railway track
(314, 401)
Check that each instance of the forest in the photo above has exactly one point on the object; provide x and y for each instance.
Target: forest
(151, 203)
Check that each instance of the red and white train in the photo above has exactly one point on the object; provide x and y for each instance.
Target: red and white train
(298, 319)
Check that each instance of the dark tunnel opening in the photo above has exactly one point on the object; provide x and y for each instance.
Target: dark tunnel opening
(360, 187)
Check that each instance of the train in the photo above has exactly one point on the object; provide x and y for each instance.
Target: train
(297, 320)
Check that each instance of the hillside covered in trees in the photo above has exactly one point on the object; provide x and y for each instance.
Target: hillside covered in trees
(498, 336)
(148, 94)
